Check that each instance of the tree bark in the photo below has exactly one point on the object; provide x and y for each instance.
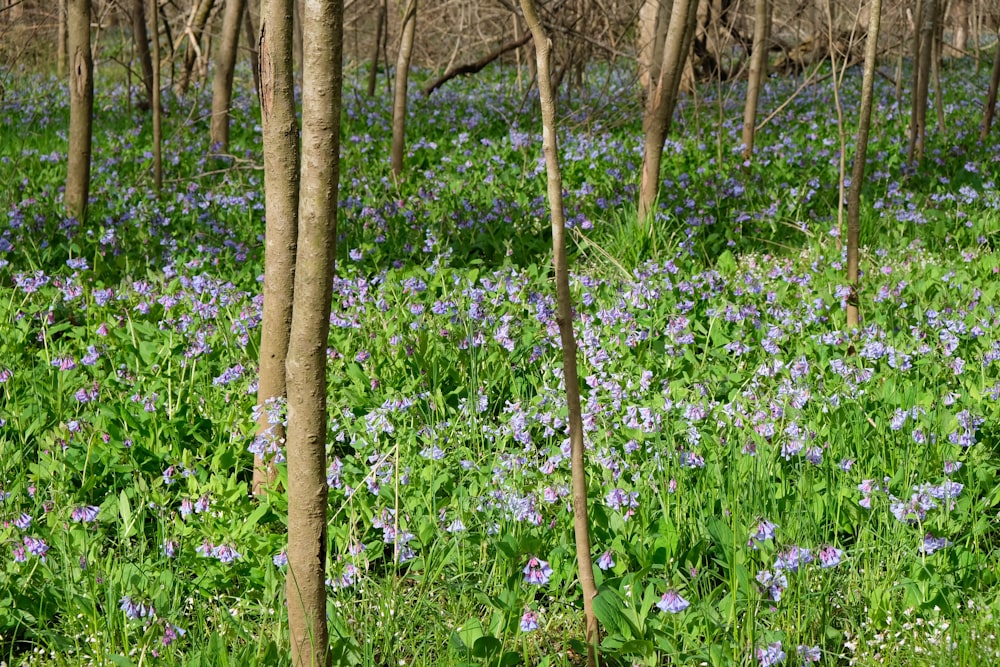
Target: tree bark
(991, 97)
(758, 72)
(660, 107)
(858, 168)
(281, 202)
(250, 35)
(62, 37)
(225, 64)
(380, 30)
(918, 136)
(550, 148)
(306, 364)
(399, 97)
(142, 48)
(81, 109)
(154, 31)
(654, 17)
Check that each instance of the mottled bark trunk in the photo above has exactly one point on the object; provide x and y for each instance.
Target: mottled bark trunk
(550, 148)
(225, 64)
(991, 97)
(281, 201)
(142, 48)
(81, 109)
(758, 72)
(660, 107)
(399, 96)
(306, 364)
(858, 168)
(380, 30)
(154, 31)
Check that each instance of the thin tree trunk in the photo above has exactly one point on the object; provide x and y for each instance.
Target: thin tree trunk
(399, 97)
(281, 201)
(991, 97)
(297, 40)
(154, 31)
(654, 17)
(660, 108)
(142, 47)
(380, 28)
(926, 27)
(858, 168)
(250, 35)
(915, 80)
(222, 84)
(758, 72)
(81, 109)
(195, 27)
(550, 148)
(62, 37)
(306, 365)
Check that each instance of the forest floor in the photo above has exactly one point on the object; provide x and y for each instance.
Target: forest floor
(757, 494)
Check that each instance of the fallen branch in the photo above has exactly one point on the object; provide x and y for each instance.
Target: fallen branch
(472, 68)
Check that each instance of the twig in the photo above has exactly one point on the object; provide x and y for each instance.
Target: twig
(472, 68)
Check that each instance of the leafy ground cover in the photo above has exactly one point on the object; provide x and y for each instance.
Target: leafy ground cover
(758, 495)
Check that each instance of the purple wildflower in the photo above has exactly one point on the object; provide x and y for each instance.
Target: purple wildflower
(672, 602)
(829, 556)
(809, 653)
(537, 571)
(770, 654)
(529, 621)
(85, 513)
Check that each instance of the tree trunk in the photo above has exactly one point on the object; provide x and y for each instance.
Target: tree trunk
(281, 201)
(154, 31)
(654, 16)
(61, 38)
(550, 148)
(306, 365)
(195, 27)
(297, 41)
(250, 35)
(399, 98)
(758, 72)
(660, 108)
(918, 130)
(81, 109)
(225, 64)
(858, 168)
(991, 97)
(960, 39)
(380, 30)
(142, 47)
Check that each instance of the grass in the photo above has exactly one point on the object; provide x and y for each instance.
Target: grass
(719, 397)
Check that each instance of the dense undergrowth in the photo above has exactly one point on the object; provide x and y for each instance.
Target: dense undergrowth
(758, 495)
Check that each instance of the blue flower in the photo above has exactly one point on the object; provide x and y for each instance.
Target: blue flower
(537, 571)
(606, 561)
(529, 621)
(672, 602)
(85, 514)
(770, 654)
